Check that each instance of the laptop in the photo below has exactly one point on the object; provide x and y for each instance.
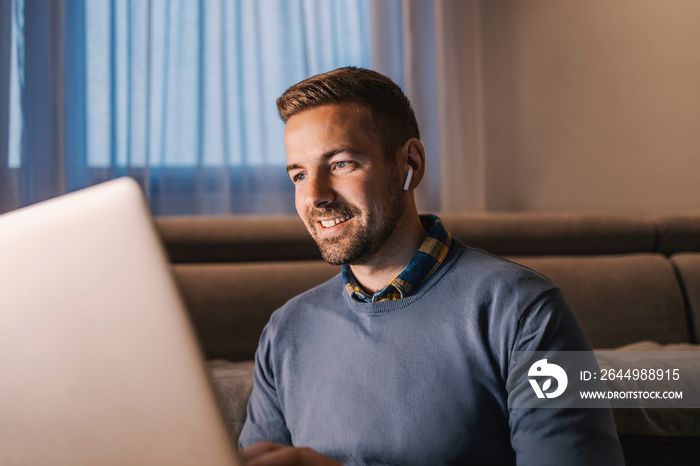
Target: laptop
(98, 360)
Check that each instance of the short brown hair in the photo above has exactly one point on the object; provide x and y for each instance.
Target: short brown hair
(389, 113)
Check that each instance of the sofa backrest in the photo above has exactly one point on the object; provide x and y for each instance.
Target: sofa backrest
(549, 233)
(236, 239)
(284, 237)
(235, 271)
(677, 231)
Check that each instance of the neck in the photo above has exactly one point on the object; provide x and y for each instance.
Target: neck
(396, 254)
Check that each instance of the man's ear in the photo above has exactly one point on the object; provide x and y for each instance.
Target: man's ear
(413, 155)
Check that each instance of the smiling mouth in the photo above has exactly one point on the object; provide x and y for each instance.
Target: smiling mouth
(335, 221)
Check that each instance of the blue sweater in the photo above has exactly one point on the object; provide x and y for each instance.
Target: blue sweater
(422, 380)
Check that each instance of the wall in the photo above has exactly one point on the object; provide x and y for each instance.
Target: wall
(591, 104)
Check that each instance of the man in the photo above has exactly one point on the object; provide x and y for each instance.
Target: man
(403, 357)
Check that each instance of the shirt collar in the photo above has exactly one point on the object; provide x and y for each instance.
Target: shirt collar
(425, 262)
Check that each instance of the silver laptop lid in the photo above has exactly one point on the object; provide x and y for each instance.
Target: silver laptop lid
(98, 362)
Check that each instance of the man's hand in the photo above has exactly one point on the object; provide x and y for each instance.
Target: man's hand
(272, 454)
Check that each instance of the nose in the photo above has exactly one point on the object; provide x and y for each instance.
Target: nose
(318, 192)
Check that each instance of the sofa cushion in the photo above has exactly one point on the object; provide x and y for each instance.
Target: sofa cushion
(230, 303)
(619, 299)
(233, 383)
(667, 422)
(688, 267)
(549, 233)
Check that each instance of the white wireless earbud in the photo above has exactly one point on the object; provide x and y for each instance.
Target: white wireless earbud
(409, 175)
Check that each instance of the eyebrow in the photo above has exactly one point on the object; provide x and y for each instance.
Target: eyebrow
(324, 157)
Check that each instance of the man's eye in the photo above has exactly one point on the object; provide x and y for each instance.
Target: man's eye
(298, 177)
(341, 165)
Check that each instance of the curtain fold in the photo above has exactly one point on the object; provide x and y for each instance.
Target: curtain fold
(5, 62)
(42, 102)
(439, 68)
(460, 105)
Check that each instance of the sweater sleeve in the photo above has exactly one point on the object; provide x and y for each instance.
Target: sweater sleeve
(555, 436)
(265, 419)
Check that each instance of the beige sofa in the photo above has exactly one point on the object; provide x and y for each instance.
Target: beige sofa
(628, 278)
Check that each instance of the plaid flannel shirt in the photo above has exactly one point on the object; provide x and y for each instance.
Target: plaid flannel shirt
(423, 265)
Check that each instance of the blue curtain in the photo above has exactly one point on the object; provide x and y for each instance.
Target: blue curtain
(179, 94)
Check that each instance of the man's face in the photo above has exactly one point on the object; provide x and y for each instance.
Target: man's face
(349, 196)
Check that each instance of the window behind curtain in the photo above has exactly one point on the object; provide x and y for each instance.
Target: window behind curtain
(179, 94)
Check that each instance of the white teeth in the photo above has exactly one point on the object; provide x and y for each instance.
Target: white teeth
(334, 222)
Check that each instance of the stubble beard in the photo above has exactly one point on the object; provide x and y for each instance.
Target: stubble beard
(369, 232)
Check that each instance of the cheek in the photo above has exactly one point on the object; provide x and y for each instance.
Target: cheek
(299, 203)
(356, 194)
(382, 188)
(360, 189)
